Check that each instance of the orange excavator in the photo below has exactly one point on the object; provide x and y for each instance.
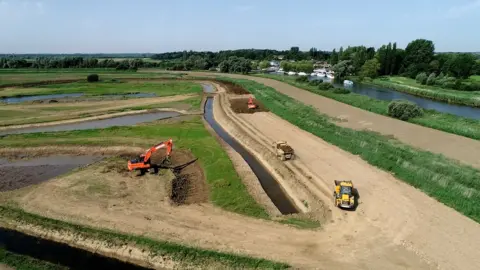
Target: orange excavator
(143, 162)
(251, 105)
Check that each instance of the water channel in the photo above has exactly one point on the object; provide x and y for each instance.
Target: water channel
(389, 95)
(127, 120)
(279, 198)
(58, 253)
(15, 100)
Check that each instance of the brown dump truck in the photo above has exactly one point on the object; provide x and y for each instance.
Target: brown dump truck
(283, 151)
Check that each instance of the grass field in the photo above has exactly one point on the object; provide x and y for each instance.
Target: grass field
(15, 76)
(442, 121)
(454, 184)
(226, 188)
(106, 88)
(42, 113)
(410, 86)
(186, 256)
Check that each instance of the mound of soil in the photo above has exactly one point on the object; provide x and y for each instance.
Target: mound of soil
(233, 88)
(286, 148)
(240, 105)
(189, 185)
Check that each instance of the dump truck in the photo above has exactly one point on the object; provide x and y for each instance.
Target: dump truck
(344, 194)
(283, 150)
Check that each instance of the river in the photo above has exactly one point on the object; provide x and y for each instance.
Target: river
(389, 95)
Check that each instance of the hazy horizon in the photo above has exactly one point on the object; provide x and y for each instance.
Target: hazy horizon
(124, 26)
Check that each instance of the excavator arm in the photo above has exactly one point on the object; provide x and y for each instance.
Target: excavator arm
(143, 162)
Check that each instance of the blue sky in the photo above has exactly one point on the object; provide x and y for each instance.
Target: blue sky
(115, 26)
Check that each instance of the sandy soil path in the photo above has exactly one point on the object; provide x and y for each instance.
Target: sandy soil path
(453, 146)
(389, 209)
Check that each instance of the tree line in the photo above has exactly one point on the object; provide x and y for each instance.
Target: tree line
(74, 62)
(418, 60)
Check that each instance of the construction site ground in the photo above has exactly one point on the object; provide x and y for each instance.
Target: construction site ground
(450, 145)
(394, 227)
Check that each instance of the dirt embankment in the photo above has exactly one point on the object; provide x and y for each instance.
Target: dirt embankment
(240, 105)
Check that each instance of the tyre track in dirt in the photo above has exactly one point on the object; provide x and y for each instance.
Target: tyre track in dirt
(457, 147)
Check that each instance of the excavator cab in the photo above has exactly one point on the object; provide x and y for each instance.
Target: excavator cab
(143, 162)
(343, 195)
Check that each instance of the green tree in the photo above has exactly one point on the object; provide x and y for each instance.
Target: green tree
(334, 58)
(431, 79)
(370, 68)
(462, 65)
(388, 59)
(418, 54)
(340, 54)
(393, 59)
(382, 59)
(370, 53)
(343, 69)
(264, 64)
(421, 78)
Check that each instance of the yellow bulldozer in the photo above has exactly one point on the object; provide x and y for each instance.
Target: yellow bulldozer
(344, 194)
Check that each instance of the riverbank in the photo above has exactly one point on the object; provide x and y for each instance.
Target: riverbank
(410, 86)
(462, 126)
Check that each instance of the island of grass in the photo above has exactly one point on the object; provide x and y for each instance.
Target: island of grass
(442, 121)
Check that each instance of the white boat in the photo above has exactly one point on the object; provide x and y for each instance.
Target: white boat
(291, 73)
(321, 74)
(347, 83)
(313, 74)
(302, 74)
(330, 76)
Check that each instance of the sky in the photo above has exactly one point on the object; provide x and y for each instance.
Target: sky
(154, 26)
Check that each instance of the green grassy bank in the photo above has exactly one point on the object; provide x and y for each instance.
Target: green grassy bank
(160, 88)
(442, 121)
(454, 184)
(410, 86)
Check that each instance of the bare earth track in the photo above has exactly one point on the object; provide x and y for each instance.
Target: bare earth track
(450, 145)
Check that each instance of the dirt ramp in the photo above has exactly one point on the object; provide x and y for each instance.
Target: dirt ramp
(189, 185)
(233, 88)
(240, 105)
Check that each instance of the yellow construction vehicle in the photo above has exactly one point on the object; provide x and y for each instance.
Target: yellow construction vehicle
(283, 151)
(344, 194)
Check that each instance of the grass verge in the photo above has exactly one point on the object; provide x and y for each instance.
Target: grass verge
(167, 88)
(182, 254)
(410, 86)
(454, 184)
(450, 123)
(226, 188)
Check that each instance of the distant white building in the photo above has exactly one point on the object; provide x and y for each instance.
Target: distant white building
(274, 63)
